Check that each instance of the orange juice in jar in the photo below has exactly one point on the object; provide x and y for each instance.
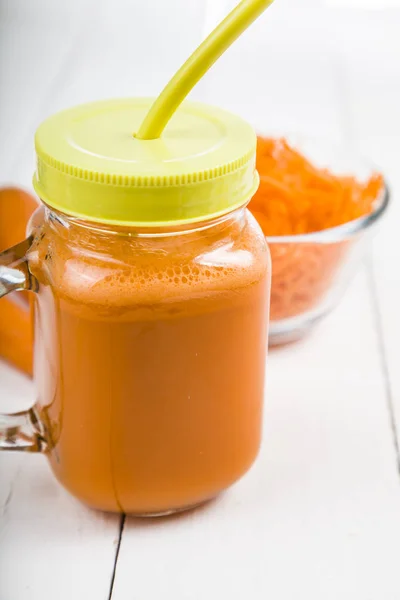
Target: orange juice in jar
(152, 288)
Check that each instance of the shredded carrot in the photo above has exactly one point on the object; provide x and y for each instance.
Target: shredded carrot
(296, 197)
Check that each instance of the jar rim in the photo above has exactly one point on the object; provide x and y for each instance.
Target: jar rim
(129, 230)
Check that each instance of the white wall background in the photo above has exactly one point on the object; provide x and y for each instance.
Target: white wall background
(57, 53)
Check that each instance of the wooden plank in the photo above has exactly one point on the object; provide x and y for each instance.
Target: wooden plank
(318, 516)
(52, 545)
(374, 98)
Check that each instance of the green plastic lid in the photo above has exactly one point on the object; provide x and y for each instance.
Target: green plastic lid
(90, 164)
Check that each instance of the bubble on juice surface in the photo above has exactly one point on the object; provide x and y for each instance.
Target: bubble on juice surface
(137, 272)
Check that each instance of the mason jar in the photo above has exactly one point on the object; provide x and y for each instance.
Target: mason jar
(151, 286)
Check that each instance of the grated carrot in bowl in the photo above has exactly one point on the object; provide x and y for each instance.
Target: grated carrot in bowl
(296, 198)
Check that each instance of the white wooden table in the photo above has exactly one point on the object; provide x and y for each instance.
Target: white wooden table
(318, 517)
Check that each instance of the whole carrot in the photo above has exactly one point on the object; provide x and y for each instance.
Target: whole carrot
(16, 208)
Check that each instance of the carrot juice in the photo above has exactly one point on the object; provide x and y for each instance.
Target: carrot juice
(150, 285)
(150, 358)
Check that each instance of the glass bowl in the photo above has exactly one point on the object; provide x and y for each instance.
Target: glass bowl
(310, 272)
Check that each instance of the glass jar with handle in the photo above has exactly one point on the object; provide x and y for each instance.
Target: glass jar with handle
(151, 285)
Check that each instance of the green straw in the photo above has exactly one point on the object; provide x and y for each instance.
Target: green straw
(197, 65)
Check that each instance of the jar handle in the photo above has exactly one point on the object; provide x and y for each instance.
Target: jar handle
(22, 430)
